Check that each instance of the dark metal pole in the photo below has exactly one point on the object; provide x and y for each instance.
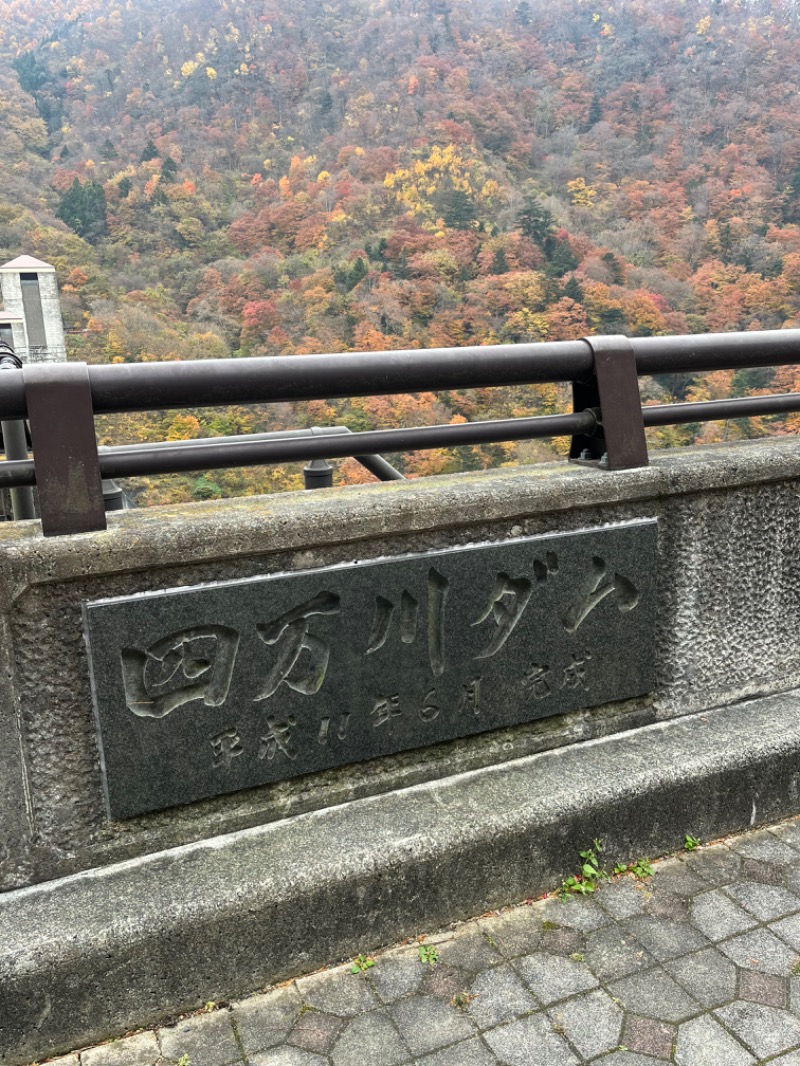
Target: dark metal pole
(124, 462)
(376, 464)
(15, 443)
(318, 474)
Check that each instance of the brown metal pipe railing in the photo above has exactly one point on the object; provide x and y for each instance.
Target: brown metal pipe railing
(607, 425)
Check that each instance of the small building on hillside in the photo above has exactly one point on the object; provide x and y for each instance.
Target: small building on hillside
(30, 318)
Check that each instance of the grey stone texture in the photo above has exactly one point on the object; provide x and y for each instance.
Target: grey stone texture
(228, 895)
(211, 689)
(139, 1050)
(704, 656)
(499, 996)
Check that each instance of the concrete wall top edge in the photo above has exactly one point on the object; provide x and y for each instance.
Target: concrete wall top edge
(164, 536)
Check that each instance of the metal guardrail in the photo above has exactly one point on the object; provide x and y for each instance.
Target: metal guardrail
(60, 400)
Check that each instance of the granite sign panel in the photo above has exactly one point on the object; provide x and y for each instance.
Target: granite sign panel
(206, 690)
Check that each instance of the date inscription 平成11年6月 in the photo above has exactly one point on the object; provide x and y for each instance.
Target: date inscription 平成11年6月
(206, 690)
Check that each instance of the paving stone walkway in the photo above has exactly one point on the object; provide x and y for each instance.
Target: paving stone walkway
(694, 965)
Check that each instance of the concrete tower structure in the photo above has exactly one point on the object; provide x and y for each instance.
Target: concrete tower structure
(31, 317)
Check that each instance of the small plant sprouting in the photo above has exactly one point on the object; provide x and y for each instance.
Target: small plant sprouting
(592, 873)
(642, 868)
(428, 954)
(462, 1000)
(796, 969)
(362, 963)
(690, 842)
(184, 1060)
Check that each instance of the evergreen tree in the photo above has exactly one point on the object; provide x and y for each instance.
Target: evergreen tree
(456, 207)
(149, 152)
(107, 150)
(574, 290)
(535, 220)
(83, 209)
(561, 258)
(522, 13)
(500, 263)
(169, 170)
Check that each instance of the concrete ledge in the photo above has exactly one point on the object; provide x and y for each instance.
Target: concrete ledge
(98, 952)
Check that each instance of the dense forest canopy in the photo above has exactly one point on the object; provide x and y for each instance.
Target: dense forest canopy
(226, 178)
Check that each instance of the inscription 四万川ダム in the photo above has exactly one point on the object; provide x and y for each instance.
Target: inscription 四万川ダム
(206, 690)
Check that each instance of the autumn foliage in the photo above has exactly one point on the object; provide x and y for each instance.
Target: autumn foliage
(260, 178)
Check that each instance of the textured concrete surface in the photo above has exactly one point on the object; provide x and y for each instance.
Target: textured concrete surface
(729, 628)
(695, 965)
(95, 952)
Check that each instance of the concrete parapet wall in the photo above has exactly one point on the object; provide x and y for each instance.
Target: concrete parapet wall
(728, 623)
(209, 900)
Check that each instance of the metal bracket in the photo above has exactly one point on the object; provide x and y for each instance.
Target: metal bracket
(61, 418)
(620, 442)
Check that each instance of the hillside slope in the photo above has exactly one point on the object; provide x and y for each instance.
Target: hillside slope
(238, 178)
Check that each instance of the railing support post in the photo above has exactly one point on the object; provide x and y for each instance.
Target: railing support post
(318, 474)
(620, 443)
(61, 418)
(15, 443)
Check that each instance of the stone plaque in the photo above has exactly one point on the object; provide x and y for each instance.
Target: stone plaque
(206, 690)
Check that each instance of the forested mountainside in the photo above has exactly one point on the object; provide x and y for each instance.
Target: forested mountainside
(248, 177)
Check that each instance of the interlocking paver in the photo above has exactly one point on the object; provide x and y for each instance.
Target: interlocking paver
(314, 1031)
(206, 1039)
(677, 877)
(649, 1036)
(515, 932)
(499, 996)
(623, 898)
(399, 974)
(266, 1020)
(471, 1053)
(665, 939)
(530, 1042)
(139, 1050)
(788, 929)
(337, 992)
(693, 966)
(583, 914)
(426, 1023)
(288, 1056)
(552, 978)
(717, 865)
(718, 917)
(764, 846)
(370, 1038)
(760, 950)
(563, 941)
(765, 873)
(708, 976)
(592, 1023)
(668, 905)
(444, 982)
(789, 833)
(654, 994)
(470, 950)
(766, 902)
(613, 952)
(764, 1030)
(763, 988)
(703, 1042)
(629, 1058)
